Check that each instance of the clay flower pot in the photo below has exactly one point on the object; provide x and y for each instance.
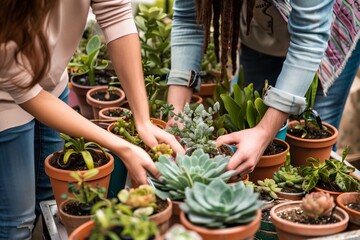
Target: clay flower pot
(71, 222)
(82, 232)
(238, 232)
(60, 178)
(175, 217)
(301, 149)
(269, 164)
(162, 219)
(291, 196)
(295, 231)
(104, 113)
(96, 104)
(343, 200)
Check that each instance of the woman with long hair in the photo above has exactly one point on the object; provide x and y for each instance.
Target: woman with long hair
(37, 40)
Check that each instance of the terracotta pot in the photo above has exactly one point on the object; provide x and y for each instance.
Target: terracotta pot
(332, 193)
(175, 217)
(301, 149)
(162, 219)
(267, 165)
(82, 232)
(239, 232)
(71, 222)
(158, 122)
(96, 104)
(104, 113)
(196, 99)
(291, 196)
(296, 231)
(350, 197)
(59, 178)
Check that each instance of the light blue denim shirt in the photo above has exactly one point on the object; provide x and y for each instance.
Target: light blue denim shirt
(309, 27)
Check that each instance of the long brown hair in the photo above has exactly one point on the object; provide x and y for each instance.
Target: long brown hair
(23, 22)
(227, 13)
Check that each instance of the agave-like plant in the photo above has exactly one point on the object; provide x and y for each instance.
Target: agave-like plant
(199, 167)
(220, 205)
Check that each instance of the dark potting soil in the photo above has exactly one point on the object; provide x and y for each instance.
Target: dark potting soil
(116, 112)
(274, 148)
(100, 96)
(291, 190)
(161, 205)
(208, 78)
(296, 215)
(222, 150)
(74, 208)
(101, 78)
(76, 161)
(330, 186)
(312, 133)
(354, 205)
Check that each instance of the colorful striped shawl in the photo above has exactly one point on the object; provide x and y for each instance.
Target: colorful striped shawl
(344, 36)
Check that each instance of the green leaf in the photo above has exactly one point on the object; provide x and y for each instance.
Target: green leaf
(88, 159)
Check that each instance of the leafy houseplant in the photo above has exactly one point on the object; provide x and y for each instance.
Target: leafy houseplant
(333, 175)
(308, 136)
(221, 210)
(197, 131)
(76, 210)
(314, 216)
(77, 155)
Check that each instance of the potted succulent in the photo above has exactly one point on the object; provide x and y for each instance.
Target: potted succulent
(221, 211)
(197, 130)
(142, 201)
(331, 176)
(76, 210)
(77, 155)
(114, 113)
(177, 231)
(176, 176)
(244, 109)
(314, 216)
(101, 97)
(88, 71)
(308, 136)
(290, 180)
(350, 202)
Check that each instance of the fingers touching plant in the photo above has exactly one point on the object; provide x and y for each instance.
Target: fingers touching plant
(199, 167)
(219, 205)
(80, 147)
(317, 204)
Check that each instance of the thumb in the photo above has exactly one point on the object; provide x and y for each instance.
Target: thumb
(226, 139)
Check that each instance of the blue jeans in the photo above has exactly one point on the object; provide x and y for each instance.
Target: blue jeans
(258, 67)
(23, 180)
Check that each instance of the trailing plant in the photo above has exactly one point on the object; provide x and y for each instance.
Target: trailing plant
(317, 204)
(78, 146)
(82, 193)
(329, 172)
(177, 176)
(197, 131)
(288, 176)
(140, 201)
(219, 205)
(267, 189)
(88, 62)
(155, 28)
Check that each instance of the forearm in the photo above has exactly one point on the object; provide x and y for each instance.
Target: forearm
(271, 122)
(126, 57)
(58, 115)
(178, 96)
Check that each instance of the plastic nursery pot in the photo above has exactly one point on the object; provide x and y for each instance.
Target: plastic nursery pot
(295, 231)
(343, 200)
(301, 149)
(269, 164)
(97, 104)
(282, 131)
(60, 178)
(71, 222)
(246, 231)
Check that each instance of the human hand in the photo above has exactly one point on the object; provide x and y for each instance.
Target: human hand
(250, 143)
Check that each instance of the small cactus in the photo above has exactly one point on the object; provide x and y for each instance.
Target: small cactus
(317, 204)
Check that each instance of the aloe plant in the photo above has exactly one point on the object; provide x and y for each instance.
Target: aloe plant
(87, 63)
(199, 167)
(219, 205)
(79, 146)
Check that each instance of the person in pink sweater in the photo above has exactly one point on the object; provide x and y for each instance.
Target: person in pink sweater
(37, 40)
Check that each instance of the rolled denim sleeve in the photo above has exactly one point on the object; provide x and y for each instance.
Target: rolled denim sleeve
(186, 44)
(309, 27)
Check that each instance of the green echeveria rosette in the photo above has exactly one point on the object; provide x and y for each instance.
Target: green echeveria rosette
(219, 205)
(199, 167)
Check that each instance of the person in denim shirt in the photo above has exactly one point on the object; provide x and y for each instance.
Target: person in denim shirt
(309, 25)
